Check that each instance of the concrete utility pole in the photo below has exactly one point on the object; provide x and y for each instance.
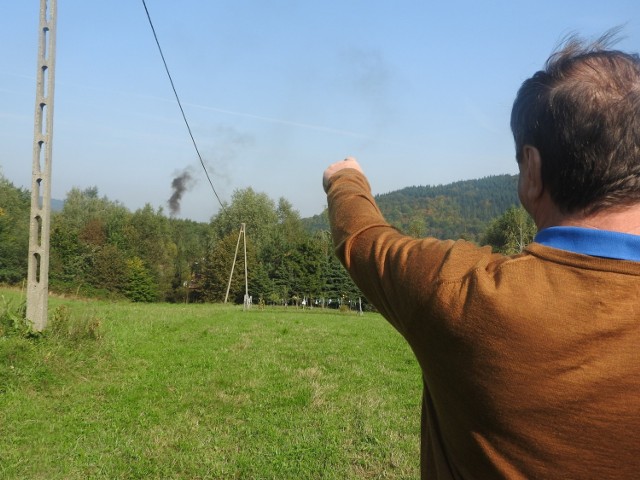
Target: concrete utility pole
(247, 297)
(38, 273)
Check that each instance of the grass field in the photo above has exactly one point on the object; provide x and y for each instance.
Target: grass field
(121, 390)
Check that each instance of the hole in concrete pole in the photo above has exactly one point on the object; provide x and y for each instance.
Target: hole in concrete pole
(36, 257)
(40, 155)
(38, 184)
(43, 116)
(45, 43)
(39, 233)
(40, 118)
(45, 82)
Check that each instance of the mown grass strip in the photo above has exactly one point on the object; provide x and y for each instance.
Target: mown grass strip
(206, 391)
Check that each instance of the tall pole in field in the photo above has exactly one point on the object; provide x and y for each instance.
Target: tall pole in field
(247, 298)
(39, 225)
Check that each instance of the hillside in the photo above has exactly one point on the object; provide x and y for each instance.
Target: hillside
(457, 210)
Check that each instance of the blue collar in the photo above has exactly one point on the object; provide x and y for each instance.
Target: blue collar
(587, 241)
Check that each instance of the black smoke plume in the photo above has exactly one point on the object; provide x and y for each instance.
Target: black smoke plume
(180, 184)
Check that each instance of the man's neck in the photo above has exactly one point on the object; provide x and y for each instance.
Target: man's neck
(624, 219)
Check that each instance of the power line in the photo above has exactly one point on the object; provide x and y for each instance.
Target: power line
(184, 117)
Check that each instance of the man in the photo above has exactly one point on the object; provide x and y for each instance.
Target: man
(530, 363)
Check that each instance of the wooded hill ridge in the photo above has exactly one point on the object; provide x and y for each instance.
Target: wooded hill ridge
(462, 209)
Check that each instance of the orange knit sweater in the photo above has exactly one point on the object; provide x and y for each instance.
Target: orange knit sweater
(530, 363)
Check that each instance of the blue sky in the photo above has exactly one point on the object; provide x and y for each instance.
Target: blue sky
(420, 92)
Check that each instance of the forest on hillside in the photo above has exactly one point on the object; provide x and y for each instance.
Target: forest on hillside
(462, 209)
(100, 248)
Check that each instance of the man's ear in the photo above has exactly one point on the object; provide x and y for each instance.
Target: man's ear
(531, 186)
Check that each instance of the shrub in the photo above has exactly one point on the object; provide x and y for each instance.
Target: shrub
(140, 286)
(65, 327)
(13, 318)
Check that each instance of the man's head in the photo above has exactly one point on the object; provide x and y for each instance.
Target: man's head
(582, 115)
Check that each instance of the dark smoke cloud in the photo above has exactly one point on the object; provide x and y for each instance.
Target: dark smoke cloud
(228, 142)
(368, 78)
(226, 145)
(179, 184)
(370, 74)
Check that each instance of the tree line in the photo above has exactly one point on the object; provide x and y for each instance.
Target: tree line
(101, 248)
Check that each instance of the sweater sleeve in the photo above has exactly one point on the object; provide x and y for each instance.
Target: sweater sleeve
(397, 273)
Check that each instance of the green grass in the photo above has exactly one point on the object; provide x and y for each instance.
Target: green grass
(120, 390)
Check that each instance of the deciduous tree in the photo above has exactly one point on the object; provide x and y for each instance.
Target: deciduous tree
(14, 231)
(510, 232)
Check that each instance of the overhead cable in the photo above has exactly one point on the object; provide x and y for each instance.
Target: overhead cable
(184, 117)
